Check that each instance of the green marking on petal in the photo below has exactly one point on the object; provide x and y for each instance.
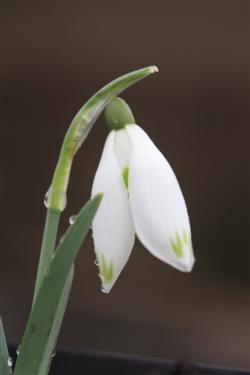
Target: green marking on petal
(186, 238)
(125, 176)
(106, 271)
(180, 242)
(177, 245)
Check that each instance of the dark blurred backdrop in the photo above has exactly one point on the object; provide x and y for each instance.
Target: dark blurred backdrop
(53, 58)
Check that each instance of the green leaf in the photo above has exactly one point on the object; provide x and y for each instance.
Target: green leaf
(52, 339)
(32, 357)
(5, 360)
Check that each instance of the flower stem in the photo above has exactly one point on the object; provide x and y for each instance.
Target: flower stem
(48, 245)
(79, 129)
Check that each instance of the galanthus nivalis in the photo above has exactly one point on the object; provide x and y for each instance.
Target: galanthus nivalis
(141, 196)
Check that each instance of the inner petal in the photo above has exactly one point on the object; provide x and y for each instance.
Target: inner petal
(122, 148)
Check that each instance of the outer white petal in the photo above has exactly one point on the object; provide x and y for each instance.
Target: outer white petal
(158, 207)
(113, 229)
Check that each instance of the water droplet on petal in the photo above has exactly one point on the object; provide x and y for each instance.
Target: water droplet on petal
(96, 263)
(10, 362)
(72, 219)
(53, 354)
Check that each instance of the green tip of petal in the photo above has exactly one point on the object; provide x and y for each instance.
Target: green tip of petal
(179, 242)
(176, 244)
(106, 271)
(118, 114)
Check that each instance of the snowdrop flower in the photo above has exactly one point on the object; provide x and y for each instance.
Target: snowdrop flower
(141, 196)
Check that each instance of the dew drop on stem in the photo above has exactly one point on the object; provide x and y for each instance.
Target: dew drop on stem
(10, 362)
(45, 201)
(72, 219)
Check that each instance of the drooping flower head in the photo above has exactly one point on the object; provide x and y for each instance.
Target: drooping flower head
(141, 196)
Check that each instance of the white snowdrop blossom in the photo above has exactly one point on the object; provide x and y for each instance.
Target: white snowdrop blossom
(141, 196)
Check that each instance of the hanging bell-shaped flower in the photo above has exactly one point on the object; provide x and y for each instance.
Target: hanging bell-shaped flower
(141, 196)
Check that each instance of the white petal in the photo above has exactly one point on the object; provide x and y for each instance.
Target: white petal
(122, 148)
(113, 229)
(158, 207)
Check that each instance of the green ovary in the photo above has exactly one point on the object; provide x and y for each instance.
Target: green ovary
(106, 271)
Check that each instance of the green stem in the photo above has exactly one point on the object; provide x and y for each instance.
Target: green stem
(5, 367)
(48, 245)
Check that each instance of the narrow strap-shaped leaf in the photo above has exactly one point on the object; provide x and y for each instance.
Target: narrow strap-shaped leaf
(34, 343)
(5, 360)
(52, 339)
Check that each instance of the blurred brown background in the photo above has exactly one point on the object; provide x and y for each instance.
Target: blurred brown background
(53, 58)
